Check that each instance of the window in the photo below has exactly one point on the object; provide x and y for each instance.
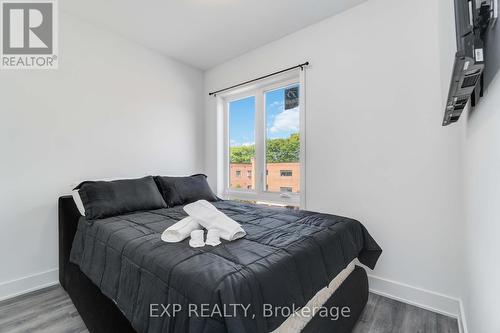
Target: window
(286, 173)
(262, 137)
(242, 141)
(282, 120)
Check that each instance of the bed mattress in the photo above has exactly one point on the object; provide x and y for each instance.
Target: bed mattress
(297, 321)
(287, 257)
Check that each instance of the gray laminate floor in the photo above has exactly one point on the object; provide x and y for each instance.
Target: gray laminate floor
(51, 311)
(383, 315)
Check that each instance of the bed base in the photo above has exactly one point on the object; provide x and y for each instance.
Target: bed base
(101, 315)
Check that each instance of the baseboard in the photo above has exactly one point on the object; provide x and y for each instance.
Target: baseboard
(28, 284)
(419, 297)
(422, 298)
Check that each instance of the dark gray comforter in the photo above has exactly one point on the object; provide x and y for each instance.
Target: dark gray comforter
(286, 257)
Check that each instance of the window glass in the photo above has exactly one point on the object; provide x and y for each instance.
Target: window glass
(242, 143)
(282, 140)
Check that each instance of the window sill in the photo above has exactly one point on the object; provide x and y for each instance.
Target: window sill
(268, 198)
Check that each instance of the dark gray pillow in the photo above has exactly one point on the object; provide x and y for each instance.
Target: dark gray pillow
(183, 190)
(104, 199)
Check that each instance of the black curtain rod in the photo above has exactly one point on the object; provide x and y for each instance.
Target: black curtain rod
(301, 66)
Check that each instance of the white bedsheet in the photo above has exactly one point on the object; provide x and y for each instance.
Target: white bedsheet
(296, 322)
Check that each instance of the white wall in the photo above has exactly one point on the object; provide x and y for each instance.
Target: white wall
(113, 109)
(482, 193)
(376, 150)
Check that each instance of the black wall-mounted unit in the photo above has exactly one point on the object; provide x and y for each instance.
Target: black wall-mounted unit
(477, 57)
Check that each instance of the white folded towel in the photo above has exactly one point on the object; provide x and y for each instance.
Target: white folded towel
(180, 230)
(211, 218)
(213, 237)
(197, 238)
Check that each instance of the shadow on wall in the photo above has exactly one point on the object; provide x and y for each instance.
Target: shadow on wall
(492, 69)
(480, 115)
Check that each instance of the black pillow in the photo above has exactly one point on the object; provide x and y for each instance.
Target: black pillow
(184, 190)
(104, 199)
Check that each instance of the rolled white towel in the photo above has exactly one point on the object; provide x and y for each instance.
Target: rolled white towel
(180, 230)
(197, 238)
(213, 237)
(211, 218)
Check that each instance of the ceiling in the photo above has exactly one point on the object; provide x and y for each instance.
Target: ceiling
(205, 33)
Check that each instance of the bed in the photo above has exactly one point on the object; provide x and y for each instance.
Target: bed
(114, 269)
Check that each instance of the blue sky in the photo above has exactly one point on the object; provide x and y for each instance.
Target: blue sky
(280, 123)
(242, 122)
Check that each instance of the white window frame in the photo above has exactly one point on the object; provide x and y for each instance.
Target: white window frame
(259, 90)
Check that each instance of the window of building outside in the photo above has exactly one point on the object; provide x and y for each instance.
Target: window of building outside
(286, 173)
